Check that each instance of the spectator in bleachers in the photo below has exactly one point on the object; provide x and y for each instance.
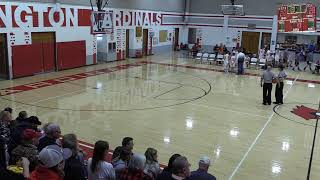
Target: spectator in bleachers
(22, 116)
(152, 167)
(19, 171)
(74, 168)
(135, 170)
(127, 144)
(5, 121)
(27, 148)
(167, 171)
(180, 168)
(51, 137)
(21, 125)
(202, 172)
(8, 109)
(51, 163)
(121, 163)
(98, 168)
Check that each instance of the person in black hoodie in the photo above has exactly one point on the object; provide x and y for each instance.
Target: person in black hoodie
(167, 171)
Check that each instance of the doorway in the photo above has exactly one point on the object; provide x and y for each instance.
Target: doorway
(265, 40)
(127, 42)
(176, 38)
(250, 42)
(4, 70)
(47, 54)
(145, 42)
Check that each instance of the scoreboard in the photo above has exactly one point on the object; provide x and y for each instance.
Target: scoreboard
(297, 18)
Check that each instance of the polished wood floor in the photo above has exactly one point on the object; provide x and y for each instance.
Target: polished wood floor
(175, 105)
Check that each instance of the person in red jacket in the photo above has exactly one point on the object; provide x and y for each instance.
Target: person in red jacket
(51, 159)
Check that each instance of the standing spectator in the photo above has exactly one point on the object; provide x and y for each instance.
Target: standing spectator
(279, 87)
(135, 170)
(5, 120)
(127, 144)
(51, 163)
(52, 135)
(266, 82)
(74, 168)
(226, 62)
(27, 148)
(181, 168)
(152, 166)
(240, 60)
(98, 168)
(202, 172)
(167, 171)
(121, 163)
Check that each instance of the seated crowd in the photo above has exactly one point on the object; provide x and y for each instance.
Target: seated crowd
(28, 152)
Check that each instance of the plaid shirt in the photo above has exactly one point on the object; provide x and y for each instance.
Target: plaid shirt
(129, 174)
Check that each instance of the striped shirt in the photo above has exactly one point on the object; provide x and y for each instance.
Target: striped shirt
(282, 76)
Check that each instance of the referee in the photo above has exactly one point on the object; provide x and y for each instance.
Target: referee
(266, 83)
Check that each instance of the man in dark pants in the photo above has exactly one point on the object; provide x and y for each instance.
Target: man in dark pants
(279, 88)
(240, 59)
(266, 83)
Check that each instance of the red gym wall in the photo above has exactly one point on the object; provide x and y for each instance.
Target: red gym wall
(40, 57)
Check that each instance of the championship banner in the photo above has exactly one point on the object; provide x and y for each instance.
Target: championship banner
(297, 18)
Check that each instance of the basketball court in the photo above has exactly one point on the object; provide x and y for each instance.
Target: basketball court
(175, 105)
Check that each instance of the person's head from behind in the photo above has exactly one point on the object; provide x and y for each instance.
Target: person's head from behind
(53, 157)
(181, 167)
(100, 151)
(53, 131)
(8, 109)
(269, 68)
(204, 163)
(30, 136)
(5, 117)
(70, 141)
(23, 115)
(151, 155)
(127, 143)
(171, 160)
(137, 162)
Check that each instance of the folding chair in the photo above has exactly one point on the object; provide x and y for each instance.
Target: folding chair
(199, 57)
(205, 57)
(254, 62)
(211, 58)
(219, 59)
(262, 62)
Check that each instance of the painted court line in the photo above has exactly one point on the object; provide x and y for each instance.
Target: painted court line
(228, 110)
(260, 133)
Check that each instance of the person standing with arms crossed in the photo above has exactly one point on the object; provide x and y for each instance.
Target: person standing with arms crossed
(279, 88)
(266, 82)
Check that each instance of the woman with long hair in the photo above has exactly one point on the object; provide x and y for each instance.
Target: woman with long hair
(152, 167)
(98, 168)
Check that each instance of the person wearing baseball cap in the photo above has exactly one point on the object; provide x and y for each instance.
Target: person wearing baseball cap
(202, 172)
(51, 163)
(27, 148)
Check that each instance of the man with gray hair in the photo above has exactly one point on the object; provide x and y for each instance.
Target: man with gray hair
(202, 172)
(135, 170)
(52, 134)
(180, 168)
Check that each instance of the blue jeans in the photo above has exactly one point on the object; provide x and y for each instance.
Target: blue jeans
(240, 67)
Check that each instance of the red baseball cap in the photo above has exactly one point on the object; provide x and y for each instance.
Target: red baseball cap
(29, 134)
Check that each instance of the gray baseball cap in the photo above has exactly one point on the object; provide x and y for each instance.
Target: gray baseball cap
(52, 155)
